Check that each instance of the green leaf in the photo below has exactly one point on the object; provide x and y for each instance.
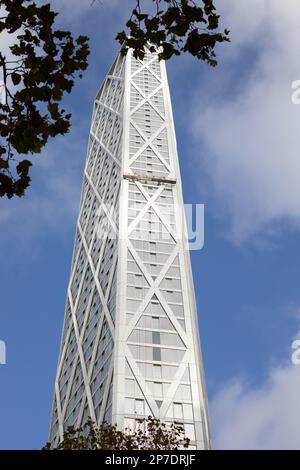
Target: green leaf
(81, 40)
(3, 163)
(23, 167)
(152, 24)
(16, 78)
(180, 29)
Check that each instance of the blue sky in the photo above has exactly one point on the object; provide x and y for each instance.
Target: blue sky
(238, 141)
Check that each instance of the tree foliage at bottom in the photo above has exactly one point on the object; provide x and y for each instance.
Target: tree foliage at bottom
(150, 434)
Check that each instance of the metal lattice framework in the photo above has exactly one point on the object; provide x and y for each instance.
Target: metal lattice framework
(130, 345)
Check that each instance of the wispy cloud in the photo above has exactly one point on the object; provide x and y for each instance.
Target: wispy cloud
(51, 203)
(249, 128)
(264, 417)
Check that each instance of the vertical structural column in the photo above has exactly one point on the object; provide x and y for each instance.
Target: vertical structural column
(119, 355)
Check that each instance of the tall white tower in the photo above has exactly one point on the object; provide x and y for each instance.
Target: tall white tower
(130, 345)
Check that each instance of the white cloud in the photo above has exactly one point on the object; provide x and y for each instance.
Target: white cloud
(261, 418)
(252, 137)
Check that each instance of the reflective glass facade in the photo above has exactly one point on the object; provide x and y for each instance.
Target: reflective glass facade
(130, 345)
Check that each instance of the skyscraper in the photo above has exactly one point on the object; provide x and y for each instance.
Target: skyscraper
(130, 345)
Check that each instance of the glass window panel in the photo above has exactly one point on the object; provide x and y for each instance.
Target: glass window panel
(169, 413)
(143, 368)
(147, 409)
(189, 431)
(171, 355)
(183, 392)
(186, 392)
(156, 354)
(147, 337)
(187, 411)
(157, 371)
(155, 337)
(178, 310)
(158, 389)
(186, 376)
(165, 324)
(171, 340)
(134, 336)
(129, 386)
(143, 353)
(129, 405)
(139, 407)
(168, 372)
(178, 414)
